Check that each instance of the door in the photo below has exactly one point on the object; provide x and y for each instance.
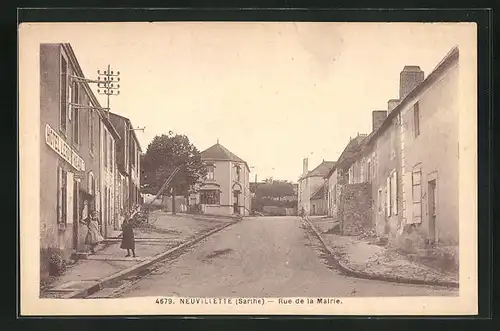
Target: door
(314, 209)
(236, 204)
(432, 210)
(76, 217)
(105, 210)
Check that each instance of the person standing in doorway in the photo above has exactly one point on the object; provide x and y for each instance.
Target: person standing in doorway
(94, 236)
(128, 240)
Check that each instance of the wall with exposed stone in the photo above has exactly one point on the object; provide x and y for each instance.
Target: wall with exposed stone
(355, 208)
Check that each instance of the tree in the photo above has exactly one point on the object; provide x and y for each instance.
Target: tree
(274, 188)
(164, 154)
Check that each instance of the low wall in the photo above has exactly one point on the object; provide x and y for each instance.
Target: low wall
(279, 211)
(180, 204)
(217, 210)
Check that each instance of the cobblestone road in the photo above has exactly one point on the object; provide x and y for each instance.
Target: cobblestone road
(259, 257)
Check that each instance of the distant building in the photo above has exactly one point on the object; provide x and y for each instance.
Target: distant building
(309, 183)
(128, 154)
(226, 189)
(342, 193)
(319, 202)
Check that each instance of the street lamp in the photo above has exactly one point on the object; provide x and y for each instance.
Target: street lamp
(108, 83)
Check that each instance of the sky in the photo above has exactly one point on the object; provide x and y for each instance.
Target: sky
(272, 93)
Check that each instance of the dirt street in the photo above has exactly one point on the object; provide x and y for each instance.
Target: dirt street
(263, 256)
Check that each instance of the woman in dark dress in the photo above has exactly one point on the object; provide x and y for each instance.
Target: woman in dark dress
(128, 240)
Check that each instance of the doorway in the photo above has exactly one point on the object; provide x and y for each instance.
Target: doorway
(236, 203)
(432, 210)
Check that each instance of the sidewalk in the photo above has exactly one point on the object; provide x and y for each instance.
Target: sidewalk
(165, 232)
(360, 257)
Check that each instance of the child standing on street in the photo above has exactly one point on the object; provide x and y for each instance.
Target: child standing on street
(128, 240)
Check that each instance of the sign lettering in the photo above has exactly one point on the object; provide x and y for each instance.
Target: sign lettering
(63, 149)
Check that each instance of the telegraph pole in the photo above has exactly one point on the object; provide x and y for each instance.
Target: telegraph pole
(108, 83)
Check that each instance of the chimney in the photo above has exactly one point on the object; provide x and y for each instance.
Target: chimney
(409, 78)
(378, 117)
(305, 168)
(391, 104)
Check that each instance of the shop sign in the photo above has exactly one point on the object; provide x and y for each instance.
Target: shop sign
(63, 149)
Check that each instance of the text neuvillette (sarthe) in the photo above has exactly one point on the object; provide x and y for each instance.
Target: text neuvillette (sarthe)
(221, 301)
(206, 301)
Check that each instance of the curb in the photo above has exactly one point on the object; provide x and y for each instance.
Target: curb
(363, 275)
(141, 266)
(206, 215)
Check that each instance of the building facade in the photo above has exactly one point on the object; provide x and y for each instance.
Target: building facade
(414, 186)
(70, 153)
(78, 170)
(226, 188)
(429, 117)
(107, 209)
(319, 201)
(309, 183)
(128, 151)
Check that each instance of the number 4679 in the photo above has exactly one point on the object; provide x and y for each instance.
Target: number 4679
(164, 301)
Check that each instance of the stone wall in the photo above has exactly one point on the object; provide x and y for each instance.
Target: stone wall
(355, 208)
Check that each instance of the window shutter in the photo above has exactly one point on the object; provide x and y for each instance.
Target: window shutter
(407, 201)
(69, 197)
(394, 192)
(417, 196)
(388, 197)
(59, 194)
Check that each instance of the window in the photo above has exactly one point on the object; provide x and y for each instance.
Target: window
(91, 130)
(125, 146)
(211, 197)
(417, 195)
(238, 173)
(76, 112)
(132, 154)
(416, 119)
(379, 199)
(90, 183)
(369, 171)
(210, 172)
(394, 193)
(137, 159)
(334, 198)
(112, 154)
(105, 148)
(64, 94)
(108, 143)
(388, 197)
(62, 195)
